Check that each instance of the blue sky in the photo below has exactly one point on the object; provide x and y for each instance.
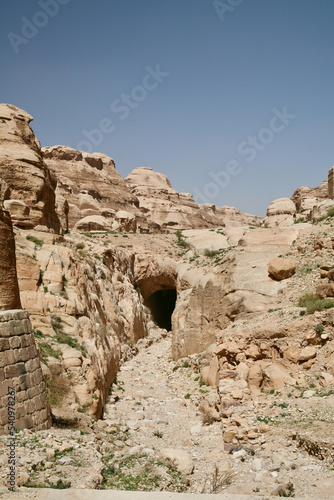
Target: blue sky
(239, 112)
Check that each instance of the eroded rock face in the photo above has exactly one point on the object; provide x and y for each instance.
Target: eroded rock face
(302, 194)
(9, 290)
(89, 183)
(91, 300)
(23, 174)
(239, 288)
(167, 209)
(280, 213)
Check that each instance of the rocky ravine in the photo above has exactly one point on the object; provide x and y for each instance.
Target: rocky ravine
(245, 378)
(157, 410)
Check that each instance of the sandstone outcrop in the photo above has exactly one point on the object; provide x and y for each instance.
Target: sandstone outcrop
(304, 197)
(86, 308)
(89, 183)
(167, 209)
(9, 291)
(280, 213)
(24, 178)
(240, 287)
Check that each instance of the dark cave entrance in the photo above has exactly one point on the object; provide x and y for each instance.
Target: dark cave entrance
(162, 305)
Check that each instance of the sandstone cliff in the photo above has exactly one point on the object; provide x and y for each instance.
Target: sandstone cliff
(9, 290)
(167, 209)
(26, 186)
(89, 184)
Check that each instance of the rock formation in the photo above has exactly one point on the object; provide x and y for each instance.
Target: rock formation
(26, 185)
(167, 209)
(9, 290)
(90, 185)
(236, 293)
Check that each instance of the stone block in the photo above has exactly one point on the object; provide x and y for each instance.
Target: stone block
(9, 357)
(5, 330)
(37, 377)
(32, 352)
(25, 423)
(4, 389)
(39, 402)
(32, 392)
(4, 344)
(32, 365)
(20, 411)
(30, 406)
(12, 371)
(21, 396)
(3, 417)
(27, 340)
(13, 314)
(15, 342)
(26, 326)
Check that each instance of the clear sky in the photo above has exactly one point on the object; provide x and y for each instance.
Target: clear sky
(231, 99)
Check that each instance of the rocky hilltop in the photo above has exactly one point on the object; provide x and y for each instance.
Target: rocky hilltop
(191, 345)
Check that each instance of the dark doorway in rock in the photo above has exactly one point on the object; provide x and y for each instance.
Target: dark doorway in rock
(162, 305)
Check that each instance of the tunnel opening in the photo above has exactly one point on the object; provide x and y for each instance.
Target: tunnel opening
(162, 305)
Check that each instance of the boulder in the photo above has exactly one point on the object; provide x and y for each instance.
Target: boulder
(181, 458)
(307, 353)
(71, 358)
(325, 290)
(280, 213)
(280, 268)
(125, 221)
(275, 377)
(210, 374)
(93, 223)
(255, 377)
(281, 206)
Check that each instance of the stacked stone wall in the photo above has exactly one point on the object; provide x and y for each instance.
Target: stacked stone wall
(20, 369)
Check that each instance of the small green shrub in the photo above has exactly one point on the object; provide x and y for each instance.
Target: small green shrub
(64, 338)
(158, 434)
(80, 246)
(56, 389)
(210, 253)
(35, 240)
(319, 328)
(314, 302)
(330, 212)
(180, 240)
(56, 323)
(48, 350)
(38, 334)
(187, 396)
(300, 220)
(60, 484)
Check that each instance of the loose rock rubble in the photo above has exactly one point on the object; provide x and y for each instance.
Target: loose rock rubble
(155, 426)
